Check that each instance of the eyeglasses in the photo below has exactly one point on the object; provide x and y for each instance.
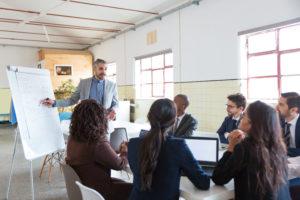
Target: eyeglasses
(229, 106)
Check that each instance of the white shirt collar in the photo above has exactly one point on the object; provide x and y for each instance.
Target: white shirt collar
(237, 118)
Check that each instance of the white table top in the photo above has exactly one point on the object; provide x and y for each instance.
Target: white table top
(189, 192)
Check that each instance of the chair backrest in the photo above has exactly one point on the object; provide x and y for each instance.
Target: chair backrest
(88, 193)
(118, 136)
(70, 178)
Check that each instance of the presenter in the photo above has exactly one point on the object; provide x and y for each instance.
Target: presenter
(97, 87)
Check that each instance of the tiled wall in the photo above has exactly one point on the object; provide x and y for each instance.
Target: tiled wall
(207, 101)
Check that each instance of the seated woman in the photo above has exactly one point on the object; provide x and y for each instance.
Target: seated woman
(258, 162)
(157, 160)
(89, 152)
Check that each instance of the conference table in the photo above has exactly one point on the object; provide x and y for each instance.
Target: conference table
(187, 190)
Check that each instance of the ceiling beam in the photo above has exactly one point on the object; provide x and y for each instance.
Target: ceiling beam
(57, 35)
(66, 16)
(16, 21)
(112, 7)
(32, 40)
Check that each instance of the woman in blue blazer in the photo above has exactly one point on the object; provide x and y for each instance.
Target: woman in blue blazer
(158, 160)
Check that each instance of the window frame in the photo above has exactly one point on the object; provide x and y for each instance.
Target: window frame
(141, 70)
(278, 54)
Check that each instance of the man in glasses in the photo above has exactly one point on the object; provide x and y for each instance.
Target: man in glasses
(236, 103)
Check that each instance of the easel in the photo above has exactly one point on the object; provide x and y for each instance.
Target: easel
(12, 167)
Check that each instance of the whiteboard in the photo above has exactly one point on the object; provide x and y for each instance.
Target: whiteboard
(39, 126)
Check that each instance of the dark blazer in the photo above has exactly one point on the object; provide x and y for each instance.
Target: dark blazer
(237, 165)
(186, 127)
(93, 164)
(293, 152)
(228, 125)
(175, 157)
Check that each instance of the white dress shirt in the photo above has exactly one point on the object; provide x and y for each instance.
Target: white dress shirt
(293, 123)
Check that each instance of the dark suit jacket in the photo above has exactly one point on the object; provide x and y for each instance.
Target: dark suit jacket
(175, 156)
(186, 127)
(228, 125)
(293, 152)
(237, 165)
(93, 164)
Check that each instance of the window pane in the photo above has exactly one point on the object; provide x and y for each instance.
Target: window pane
(146, 91)
(290, 84)
(262, 65)
(158, 62)
(169, 90)
(262, 42)
(289, 38)
(169, 75)
(169, 59)
(263, 88)
(158, 76)
(290, 63)
(146, 63)
(146, 77)
(158, 90)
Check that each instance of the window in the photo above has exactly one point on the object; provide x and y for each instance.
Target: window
(273, 63)
(155, 76)
(111, 72)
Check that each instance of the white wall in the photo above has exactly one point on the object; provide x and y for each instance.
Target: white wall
(203, 38)
(20, 56)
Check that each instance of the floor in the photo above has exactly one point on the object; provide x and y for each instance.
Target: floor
(20, 186)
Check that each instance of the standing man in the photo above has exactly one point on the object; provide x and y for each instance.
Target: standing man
(288, 107)
(97, 87)
(185, 124)
(236, 103)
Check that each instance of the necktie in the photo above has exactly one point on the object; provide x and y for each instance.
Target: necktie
(176, 124)
(235, 124)
(100, 92)
(287, 134)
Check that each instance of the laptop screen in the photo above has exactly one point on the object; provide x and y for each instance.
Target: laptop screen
(204, 149)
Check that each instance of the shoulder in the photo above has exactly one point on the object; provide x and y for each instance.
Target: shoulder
(190, 117)
(174, 142)
(134, 143)
(109, 82)
(86, 79)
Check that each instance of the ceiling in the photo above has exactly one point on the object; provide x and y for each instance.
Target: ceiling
(72, 24)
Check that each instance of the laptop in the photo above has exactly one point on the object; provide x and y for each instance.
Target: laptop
(205, 151)
(118, 136)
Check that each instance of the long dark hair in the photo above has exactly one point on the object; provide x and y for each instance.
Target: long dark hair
(88, 122)
(267, 149)
(161, 116)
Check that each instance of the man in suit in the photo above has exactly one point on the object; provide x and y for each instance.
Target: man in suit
(288, 107)
(185, 124)
(97, 87)
(236, 103)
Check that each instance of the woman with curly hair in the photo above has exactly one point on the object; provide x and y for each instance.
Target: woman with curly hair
(89, 152)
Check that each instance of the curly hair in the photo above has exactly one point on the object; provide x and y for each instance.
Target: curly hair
(88, 122)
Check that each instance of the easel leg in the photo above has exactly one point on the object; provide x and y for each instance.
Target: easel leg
(12, 162)
(31, 177)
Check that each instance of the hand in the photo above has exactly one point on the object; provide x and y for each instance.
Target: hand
(47, 102)
(123, 148)
(111, 115)
(234, 138)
